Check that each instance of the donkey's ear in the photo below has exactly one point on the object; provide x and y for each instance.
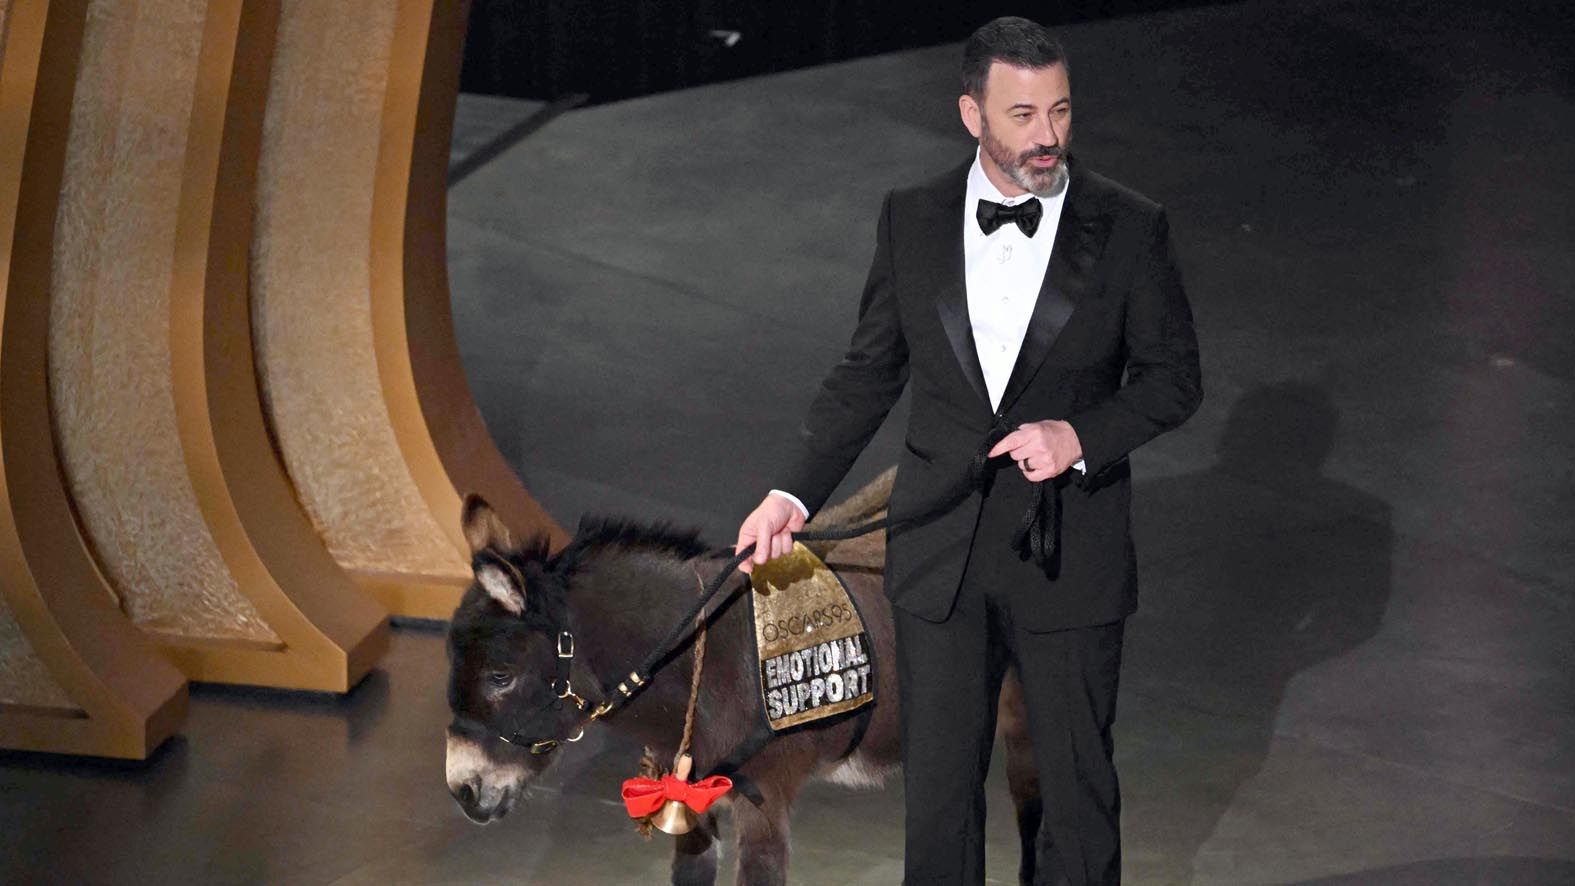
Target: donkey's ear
(483, 528)
(502, 585)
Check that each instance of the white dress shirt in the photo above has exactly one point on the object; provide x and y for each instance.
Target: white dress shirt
(1003, 272)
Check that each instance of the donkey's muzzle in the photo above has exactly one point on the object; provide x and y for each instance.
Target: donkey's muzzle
(480, 805)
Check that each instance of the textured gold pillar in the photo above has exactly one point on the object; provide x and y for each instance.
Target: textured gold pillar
(423, 375)
(159, 417)
(225, 341)
(364, 386)
(75, 675)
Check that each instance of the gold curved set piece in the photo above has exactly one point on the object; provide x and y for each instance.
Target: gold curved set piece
(234, 426)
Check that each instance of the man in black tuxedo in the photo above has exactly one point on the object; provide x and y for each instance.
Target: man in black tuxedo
(1034, 307)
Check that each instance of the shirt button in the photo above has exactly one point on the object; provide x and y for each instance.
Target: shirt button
(1003, 349)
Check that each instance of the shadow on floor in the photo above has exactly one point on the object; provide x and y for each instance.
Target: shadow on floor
(1261, 568)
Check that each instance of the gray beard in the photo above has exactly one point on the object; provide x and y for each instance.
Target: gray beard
(1043, 185)
(1037, 185)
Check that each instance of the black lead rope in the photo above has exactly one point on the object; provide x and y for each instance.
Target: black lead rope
(976, 479)
(1035, 538)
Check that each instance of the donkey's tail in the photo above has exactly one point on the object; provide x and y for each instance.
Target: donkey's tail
(866, 552)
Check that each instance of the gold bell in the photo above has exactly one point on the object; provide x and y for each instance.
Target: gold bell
(674, 817)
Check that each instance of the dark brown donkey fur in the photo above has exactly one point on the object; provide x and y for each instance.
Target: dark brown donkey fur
(618, 587)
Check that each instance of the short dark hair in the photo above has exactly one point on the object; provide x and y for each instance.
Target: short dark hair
(1016, 41)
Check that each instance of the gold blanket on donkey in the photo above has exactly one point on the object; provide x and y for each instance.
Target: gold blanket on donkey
(812, 645)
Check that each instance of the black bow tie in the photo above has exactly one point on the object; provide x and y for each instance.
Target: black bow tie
(1026, 214)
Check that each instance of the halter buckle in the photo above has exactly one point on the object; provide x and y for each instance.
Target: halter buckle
(565, 644)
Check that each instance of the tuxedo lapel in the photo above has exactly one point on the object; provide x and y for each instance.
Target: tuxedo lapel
(951, 301)
(1079, 239)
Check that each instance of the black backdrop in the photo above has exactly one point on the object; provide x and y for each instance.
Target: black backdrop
(612, 49)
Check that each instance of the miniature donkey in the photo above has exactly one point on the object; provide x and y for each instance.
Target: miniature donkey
(617, 588)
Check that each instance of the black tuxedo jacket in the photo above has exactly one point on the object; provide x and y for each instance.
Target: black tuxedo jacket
(1110, 348)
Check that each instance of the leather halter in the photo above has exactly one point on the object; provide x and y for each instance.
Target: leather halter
(561, 685)
(562, 691)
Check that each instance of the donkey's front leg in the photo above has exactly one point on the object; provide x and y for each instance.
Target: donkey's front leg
(694, 854)
(762, 841)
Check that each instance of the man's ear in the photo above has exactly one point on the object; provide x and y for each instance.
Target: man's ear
(484, 528)
(502, 584)
(972, 114)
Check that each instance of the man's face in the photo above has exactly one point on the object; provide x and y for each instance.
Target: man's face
(1023, 123)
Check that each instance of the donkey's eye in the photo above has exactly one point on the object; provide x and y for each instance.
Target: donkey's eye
(500, 679)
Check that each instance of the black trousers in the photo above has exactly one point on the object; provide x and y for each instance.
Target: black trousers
(950, 677)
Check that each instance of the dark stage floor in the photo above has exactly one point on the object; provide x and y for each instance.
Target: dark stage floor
(1354, 660)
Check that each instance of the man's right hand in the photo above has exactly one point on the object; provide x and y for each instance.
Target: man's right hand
(770, 529)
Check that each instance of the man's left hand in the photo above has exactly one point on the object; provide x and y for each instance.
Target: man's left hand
(1042, 449)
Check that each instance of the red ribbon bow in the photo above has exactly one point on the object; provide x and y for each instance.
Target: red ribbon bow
(645, 796)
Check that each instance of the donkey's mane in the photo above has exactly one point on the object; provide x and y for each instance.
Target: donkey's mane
(548, 575)
(599, 533)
